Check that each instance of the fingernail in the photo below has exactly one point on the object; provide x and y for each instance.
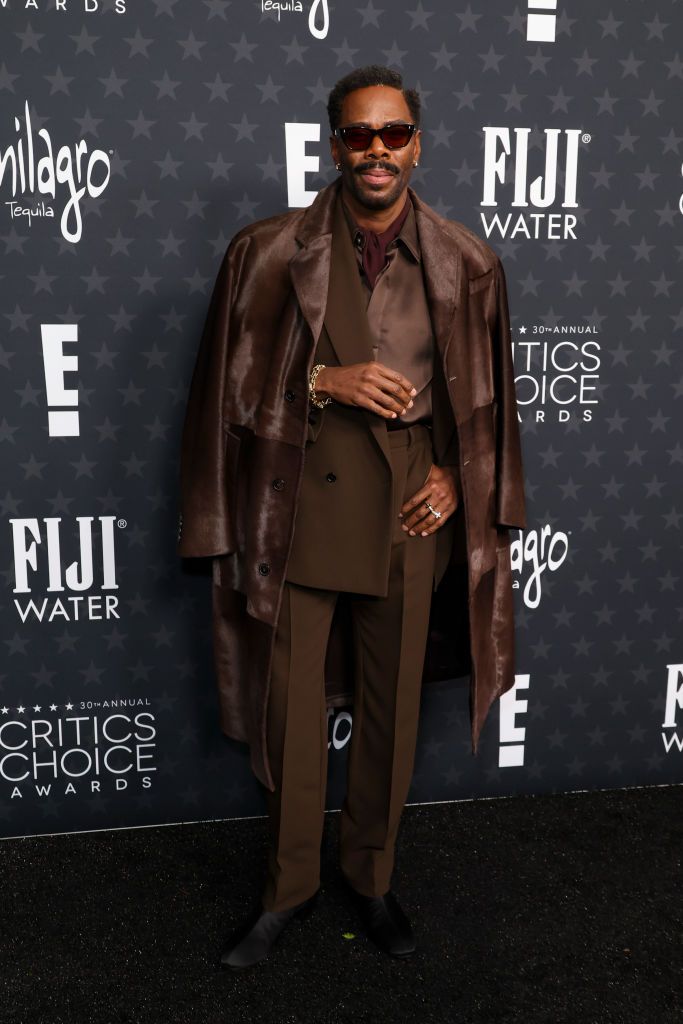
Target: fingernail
(393, 415)
(400, 515)
(424, 533)
(411, 404)
(403, 526)
(413, 391)
(411, 532)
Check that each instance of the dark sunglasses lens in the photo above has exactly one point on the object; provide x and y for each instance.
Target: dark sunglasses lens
(356, 138)
(396, 136)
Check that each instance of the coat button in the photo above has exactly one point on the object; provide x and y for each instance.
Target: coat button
(330, 478)
(289, 395)
(278, 483)
(263, 568)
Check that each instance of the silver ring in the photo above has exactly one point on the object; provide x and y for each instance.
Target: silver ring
(433, 510)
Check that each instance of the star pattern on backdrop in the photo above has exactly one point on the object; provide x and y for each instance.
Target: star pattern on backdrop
(192, 118)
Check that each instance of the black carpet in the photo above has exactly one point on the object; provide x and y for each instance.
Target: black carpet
(533, 909)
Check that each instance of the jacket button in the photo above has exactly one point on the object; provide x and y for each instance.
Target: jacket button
(263, 568)
(289, 395)
(330, 478)
(278, 483)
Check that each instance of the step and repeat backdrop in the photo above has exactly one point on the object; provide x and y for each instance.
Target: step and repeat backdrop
(135, 140)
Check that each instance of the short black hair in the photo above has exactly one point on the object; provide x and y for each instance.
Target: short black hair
(361, 78)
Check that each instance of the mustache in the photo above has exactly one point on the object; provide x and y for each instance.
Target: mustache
(381, 166)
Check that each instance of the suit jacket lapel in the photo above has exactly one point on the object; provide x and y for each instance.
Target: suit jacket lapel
(328, 287)
(345, 317)
(324, 296)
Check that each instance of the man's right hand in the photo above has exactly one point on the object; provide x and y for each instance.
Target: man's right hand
(371, 385)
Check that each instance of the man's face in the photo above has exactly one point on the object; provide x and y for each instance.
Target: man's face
(375, 176)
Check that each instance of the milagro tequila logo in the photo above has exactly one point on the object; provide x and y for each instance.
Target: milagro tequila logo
(30, 166)
(504, 152)
(84, 587)
(318, 11)
(540, 551)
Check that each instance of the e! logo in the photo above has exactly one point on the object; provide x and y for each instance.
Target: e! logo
(511, 749)
(541, 21)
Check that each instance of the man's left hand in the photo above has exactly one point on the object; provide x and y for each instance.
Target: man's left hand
(440, 490)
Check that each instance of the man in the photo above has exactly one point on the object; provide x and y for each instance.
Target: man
(356, 362)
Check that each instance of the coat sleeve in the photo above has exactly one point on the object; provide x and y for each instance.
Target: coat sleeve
(204, 528)
(510, 501)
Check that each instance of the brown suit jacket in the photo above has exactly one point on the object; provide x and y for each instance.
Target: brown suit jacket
(342, 536)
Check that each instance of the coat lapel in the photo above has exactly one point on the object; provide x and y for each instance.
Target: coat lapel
(309, 268)
(442, 264)
(443, 270)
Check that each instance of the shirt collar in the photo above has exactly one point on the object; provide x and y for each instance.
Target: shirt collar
(407, 234)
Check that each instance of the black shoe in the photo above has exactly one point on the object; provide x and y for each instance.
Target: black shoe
(254, 939)
(385, 922)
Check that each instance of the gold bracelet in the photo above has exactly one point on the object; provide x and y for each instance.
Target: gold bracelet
(319, 402)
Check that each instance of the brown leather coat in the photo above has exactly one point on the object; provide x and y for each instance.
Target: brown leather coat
(244, 441)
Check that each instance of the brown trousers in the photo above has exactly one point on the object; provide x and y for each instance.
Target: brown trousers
(390, 636)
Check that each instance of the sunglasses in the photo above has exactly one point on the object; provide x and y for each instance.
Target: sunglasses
(394, 136)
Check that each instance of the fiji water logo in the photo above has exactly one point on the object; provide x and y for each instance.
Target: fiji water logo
(510, 179)
(77, 588)
(33, 165)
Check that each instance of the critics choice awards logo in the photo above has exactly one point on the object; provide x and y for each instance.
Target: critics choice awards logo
(555, 379)
(92, 746)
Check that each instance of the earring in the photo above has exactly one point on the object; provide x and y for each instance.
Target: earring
(338, 166)
(415, 163)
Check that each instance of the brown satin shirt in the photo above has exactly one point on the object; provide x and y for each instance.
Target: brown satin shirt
(399, 316)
